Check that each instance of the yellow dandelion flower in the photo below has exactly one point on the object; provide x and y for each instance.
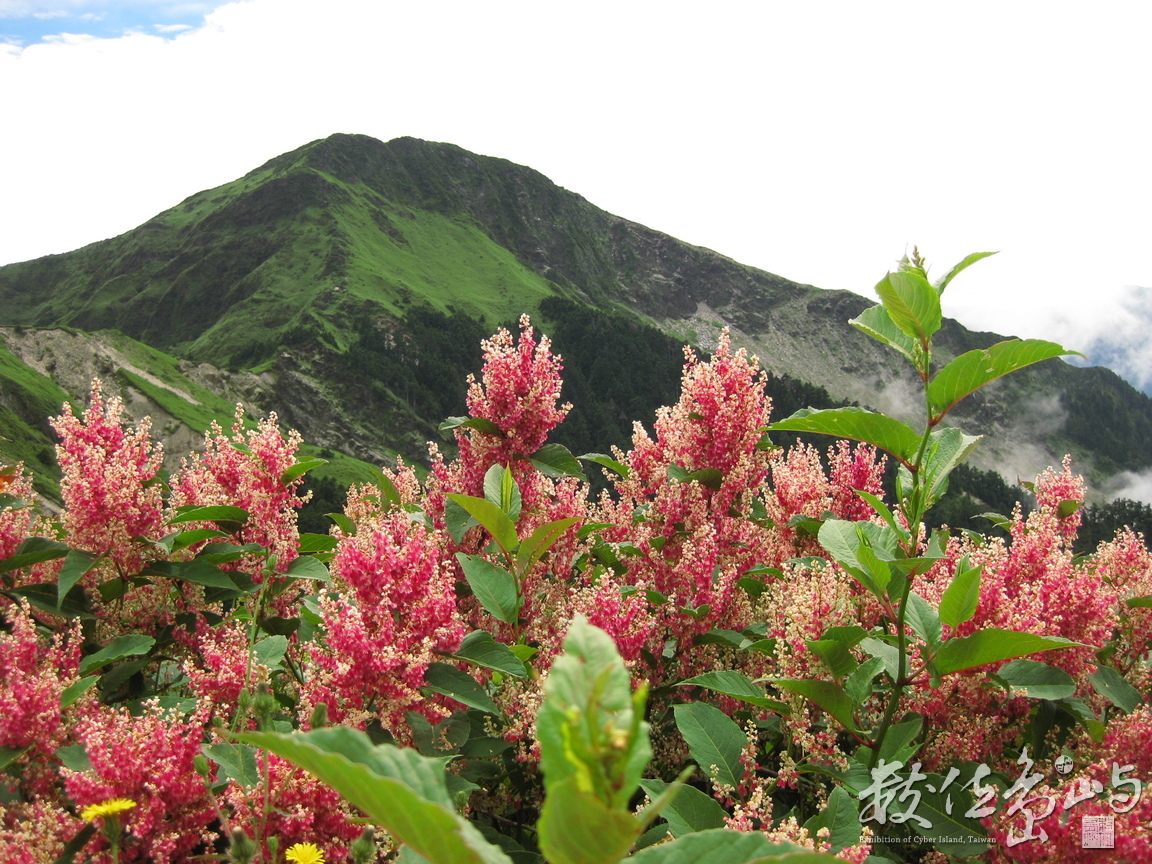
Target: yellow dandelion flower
(106, 808)
(304, 853)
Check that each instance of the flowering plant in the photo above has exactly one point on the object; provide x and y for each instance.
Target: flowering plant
(738, 648)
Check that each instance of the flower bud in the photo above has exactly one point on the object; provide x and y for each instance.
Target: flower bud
(241, 849)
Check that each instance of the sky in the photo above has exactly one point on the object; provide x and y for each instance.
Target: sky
(816, 140)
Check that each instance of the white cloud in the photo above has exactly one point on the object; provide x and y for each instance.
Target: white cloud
(1133, 485)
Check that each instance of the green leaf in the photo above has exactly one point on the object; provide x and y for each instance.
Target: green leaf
(899, 743)
(344, 523)
(841, 816)
(737, 686)
(42, 595)
(237, 762)
(74, 757)
(591, 725)
(912, 303)
(922, 618)
(968, 261)
(33, 551)
(835, 656)
(858, 685)
(307, 567)
(270, 651)
(1144, 602)
(74, 691)
(119, 648)
(1112, 686)
(1036, 680)
(877, 429)
(300, 468)
(887, 654)
(993, 645)
(493, 586)
(316, 543)
(714, 740)
(450, 681)
(76, 845)
(480, 424)
(556, 460)
(540, 541)
(878, 324)
(76, 563)
(8, 755)
(947, 448)
(184, 539)
(576, 827)
(606, 462)
(480, 648)
(960, 599)
(710, 478)
(722, 846)
(950, 833)
(973, 369)
(501, 489)
(829, 696)
(214, 513)
(400, 790)
(198, 571)
(689, 810)
(495, 521)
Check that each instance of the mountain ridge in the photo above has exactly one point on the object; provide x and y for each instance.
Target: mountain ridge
(347, 229)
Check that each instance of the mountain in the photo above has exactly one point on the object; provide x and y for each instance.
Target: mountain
(372, 269)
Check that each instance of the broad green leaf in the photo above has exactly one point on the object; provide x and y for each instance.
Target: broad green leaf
(480, 424)
(992, 646)
(576, 827)
(270, 651)
(540, 541)
(480, 648)
(912, 302)
(714, 740)
(501, 489)
(947, 448)
(877, 429)
(1036, 680)
(307, 567)
(119, 648)
(878, 324)
(722, 846)
(1115, 688)
(33, 551)
(1144, 602)
(841, 816)
(960, 599)
(922, 618)
(42, 595)
(316, 543)
(450, 681)
(710, 478)
(973, 369)
(899, 742)
(495, 521)
(198, 571)
(74, 757)
(737, 686)
(347, 525)
(968, 261)
(591, 725)
(606, 462)
(76, 563)
(888, 654)
(300, 468)
(457, 520)
(556, 460)
(183, 539)
(858, 685)
(74, 691)
(829, 696)
(400, 790)
(951, 833)
(237, 762)
(8, 755)
(493, 586)
(689, 810)
(222, 553)
(835, 655)
(76, 845)
(212, 513)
